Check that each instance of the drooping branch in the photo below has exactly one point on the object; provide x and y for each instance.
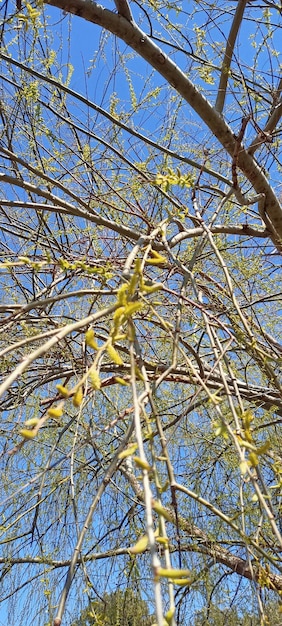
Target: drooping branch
(77, 551)
(117, 122)
(204, 544)
(60, 334)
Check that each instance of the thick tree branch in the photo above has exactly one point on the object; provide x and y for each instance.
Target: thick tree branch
(124, 9)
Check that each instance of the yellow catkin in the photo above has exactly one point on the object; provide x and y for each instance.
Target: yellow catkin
(253, 458)
(182, 582)
(118, 314)
(122, 294)
(156, 262)
(163, 541)
(121, 381)
(142, 464)
(32, 422)
(158, 508)
(78, 397)
(28, 434)
(172, 573)
(128, 451)
(114, 355)
(156, 259)
(132, 307)
(95, 379)
(55, 411)
(133, 282)
(89, 339)
(170, 615)
(63, 391)
(138, 373)
(151, 288)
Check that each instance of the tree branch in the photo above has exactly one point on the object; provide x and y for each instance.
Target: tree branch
(228, 55)
(132, 35)
(124, 9)
(205, 545)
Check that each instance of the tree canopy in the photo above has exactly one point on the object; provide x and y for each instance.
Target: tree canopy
(140, 277)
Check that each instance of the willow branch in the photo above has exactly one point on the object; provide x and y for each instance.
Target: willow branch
(113, 120)
(60, 334)
(71, 572)
(205, 544)
(131, 34)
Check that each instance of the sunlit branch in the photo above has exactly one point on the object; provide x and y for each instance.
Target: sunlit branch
(236, 23)
(63, 207)
(59, 334)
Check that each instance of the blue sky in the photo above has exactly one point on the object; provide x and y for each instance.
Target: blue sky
(84, 44)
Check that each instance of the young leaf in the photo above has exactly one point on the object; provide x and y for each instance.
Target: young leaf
(114, 355)
(140, 546)
(128, 451)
